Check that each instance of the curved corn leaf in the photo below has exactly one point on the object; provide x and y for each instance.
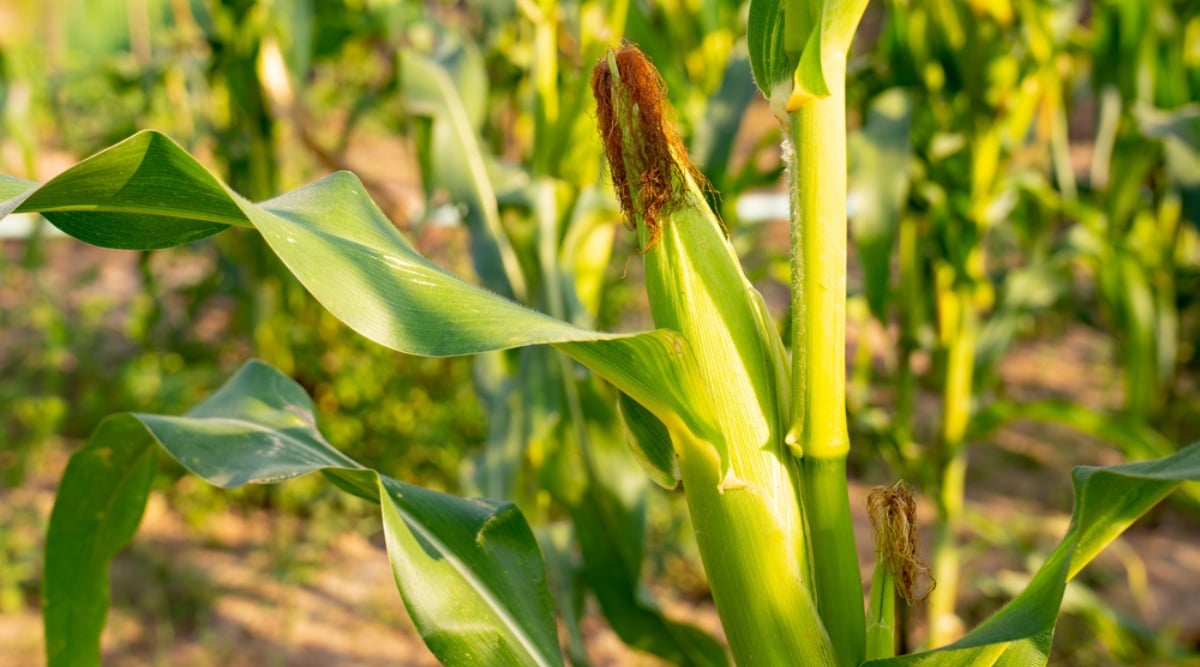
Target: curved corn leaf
(470, 571)
(831, 36)
(147, 192)
(1107, 501)
(143, 193)
(769, 60)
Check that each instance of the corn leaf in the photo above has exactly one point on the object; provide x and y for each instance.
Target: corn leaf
(12, 192)
(769, 59)
(470, 571)
(99, 505)
(651, 442)
(592, 475)
(147, 192)
(144, 193)
(1107, 501)
(457, 164)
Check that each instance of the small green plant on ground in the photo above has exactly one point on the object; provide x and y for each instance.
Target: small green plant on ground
(710, 398)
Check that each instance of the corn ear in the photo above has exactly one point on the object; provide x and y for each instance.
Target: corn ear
(741, 490)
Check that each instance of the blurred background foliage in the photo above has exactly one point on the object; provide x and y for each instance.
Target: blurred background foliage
(1021, 170)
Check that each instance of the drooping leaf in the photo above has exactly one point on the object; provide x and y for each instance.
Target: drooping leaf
(146, 192)
(469, 571)
(99, 505)
(142, 193)
(593, 476)
(1107, 501)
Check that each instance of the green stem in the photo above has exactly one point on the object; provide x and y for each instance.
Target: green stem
(957, 309)
(910, 309)
(545, 78)
(881, 606)
(834, 555)
(754, 572)
(818, 424)
(818, 192)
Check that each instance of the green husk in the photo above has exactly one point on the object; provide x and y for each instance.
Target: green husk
(748, 518)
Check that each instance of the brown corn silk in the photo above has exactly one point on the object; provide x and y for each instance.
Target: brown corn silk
(640, 140)
(893, 514)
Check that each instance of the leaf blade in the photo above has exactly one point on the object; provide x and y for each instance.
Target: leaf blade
(1108, 500)
(260, 428)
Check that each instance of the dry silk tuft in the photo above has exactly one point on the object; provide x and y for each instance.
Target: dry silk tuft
(640, 140)
(893, 514)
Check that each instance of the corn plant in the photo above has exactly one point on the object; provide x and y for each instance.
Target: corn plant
(710, 398)
(963, 162)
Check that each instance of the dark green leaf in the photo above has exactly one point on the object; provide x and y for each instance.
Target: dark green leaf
(142, 193)
(470, 571)
(100, 502)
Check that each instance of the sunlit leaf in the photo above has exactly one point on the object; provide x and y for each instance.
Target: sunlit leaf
(142, 193)
(1107, 501)
(353, 260)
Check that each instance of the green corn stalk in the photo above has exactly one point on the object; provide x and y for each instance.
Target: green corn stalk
(740, 490)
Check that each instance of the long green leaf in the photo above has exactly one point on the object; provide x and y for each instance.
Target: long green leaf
(469, 571)
(457, 164)
(147, 192)
(144, 193)
(1107, 501)
(99, 505)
